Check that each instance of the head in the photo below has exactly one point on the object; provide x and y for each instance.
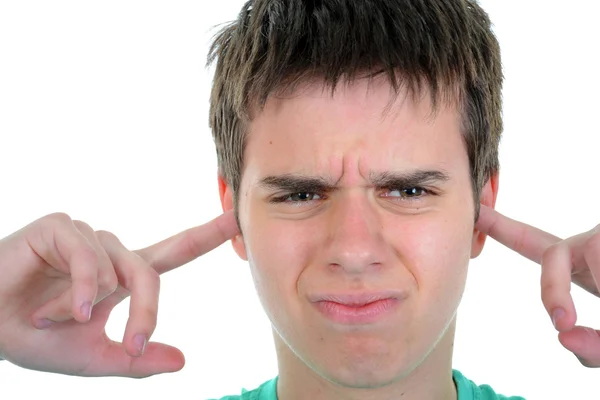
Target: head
(356, 140)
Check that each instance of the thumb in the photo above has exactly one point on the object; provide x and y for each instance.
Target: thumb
(158, 358)
(584, 343)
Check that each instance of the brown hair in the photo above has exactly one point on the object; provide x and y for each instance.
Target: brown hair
(274, 45)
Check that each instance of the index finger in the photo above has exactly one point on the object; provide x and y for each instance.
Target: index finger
(190, 244)
(525, 239)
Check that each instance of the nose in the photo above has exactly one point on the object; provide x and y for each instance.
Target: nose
(355, 239)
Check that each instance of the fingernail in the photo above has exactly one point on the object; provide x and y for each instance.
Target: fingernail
(43, 323)
(86, 309)
(557, 314)
(140, 341)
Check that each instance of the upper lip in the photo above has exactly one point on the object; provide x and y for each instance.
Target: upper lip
(356, 299)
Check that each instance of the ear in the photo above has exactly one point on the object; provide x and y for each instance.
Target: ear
(488, 198)
(226, 196)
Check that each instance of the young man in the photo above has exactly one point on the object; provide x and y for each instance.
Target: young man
(357, 141)
(357, 204)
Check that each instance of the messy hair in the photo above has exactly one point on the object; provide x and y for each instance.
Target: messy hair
(444, 47)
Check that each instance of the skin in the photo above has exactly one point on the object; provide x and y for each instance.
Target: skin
(358, 236)
(54, 265)
(575, 259)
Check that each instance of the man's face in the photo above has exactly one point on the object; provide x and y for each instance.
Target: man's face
(340, 196)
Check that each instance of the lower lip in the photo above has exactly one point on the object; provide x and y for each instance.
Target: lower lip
(369, 313)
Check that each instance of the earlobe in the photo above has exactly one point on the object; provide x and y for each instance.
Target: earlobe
(226, 195)
(488, 197)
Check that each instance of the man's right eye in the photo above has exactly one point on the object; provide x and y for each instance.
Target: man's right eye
(298, 197)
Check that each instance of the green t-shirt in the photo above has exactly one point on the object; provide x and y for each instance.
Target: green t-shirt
(467, 390)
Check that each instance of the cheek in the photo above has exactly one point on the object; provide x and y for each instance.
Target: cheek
(272, 243)
(437, 253)
(278, 252)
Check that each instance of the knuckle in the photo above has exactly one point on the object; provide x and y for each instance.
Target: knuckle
(109, 281)
(550, 254)
(592, 245)
(547, 299)
(151, 315)
(89, 255)
(106, 235)
(82, 226)
(520, 240)
(548, 287)
(153, 277)
(57, 218)
(137, 272)
(193, 244)
(146, 319)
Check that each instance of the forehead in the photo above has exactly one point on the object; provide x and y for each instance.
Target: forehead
(361, 126)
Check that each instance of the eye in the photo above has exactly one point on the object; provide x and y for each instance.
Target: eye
(412, 193)
(298, 197)
(303, 196)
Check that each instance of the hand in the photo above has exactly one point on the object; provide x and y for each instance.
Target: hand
(55, 271)
(576, 258)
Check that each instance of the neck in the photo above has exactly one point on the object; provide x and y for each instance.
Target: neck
(431, 379)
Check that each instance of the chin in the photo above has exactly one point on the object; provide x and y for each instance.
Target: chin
(352, 368)
(363, 376)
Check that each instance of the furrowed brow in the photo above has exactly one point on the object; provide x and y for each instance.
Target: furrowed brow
(408, 179)
(296, 183)
(302, 183)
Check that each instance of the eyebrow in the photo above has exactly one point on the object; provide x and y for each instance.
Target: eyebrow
(388, 179)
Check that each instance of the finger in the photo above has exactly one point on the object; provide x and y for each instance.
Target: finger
(114, 361)
(144, 285)
(591, 255)
(60, 308)
(190, 244)
(584, 343)
(556, 286)
(526, 240)
(107, 279)
(58, 242)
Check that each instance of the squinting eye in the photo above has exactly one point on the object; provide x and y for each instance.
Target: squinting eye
(303, 196)
(409, 193)
(299, 197)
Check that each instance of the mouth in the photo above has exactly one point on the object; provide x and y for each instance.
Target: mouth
(357, 308)
(356, 299)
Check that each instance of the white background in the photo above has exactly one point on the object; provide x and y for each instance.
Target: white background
(103, 115)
